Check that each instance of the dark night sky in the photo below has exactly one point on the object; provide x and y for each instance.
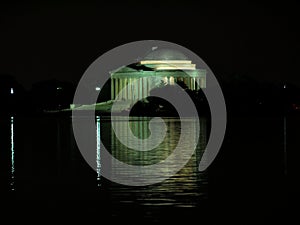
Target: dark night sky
(60, 40)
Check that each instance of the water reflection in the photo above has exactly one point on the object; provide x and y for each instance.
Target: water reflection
(140, 128)
(184, 189)
(12, 152)
(29, 161)
(98, 157)
(48, 158)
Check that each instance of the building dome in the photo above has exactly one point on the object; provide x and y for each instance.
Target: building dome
(165, 54)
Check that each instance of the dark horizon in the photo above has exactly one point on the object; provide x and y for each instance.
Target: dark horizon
(60, 40)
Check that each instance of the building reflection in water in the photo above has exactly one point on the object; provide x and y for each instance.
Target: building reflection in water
(188, 176)
(73, 169)
(184, 189)
(140, 128)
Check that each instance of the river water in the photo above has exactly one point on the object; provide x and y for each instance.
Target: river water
(253, 180)
(43, 174)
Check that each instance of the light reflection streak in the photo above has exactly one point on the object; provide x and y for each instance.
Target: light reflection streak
(12, 150)
(98, 159)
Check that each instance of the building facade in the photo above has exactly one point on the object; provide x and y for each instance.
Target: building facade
(135, 81)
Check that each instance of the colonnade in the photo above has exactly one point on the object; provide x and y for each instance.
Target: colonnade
(138, 88)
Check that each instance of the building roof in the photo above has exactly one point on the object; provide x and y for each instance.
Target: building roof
(165, 54)
(160, 62)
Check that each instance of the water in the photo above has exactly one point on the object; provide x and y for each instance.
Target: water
(253, 180)
(12, 152)
(42, 166)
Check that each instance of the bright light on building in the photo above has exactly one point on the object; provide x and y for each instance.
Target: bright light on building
(171, 80)
(12, 91)
(165, 80)
(97, 88)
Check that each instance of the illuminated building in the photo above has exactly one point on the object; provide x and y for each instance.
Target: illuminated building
(160, 67)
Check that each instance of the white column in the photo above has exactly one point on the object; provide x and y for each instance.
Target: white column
(193, 83)
(116, 87)
(129, 89)
(125, 90)
(140, 88)
(121, 87)
(144, 87)
(135, 88)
